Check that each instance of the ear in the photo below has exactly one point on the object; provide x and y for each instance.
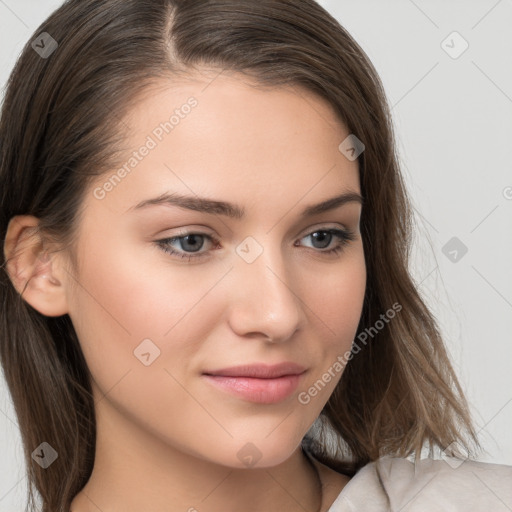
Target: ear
(36, 273)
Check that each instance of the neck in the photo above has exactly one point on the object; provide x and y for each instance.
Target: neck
(134, 471)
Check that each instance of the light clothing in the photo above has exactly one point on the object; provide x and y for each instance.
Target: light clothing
(394, 484)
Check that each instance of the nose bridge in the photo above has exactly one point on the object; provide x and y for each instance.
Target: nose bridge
(265, 301)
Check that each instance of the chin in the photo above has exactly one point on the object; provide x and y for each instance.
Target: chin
(257, 454)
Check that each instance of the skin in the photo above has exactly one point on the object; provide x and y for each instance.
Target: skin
(166, 439)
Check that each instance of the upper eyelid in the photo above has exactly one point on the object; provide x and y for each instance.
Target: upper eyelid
(199, 231)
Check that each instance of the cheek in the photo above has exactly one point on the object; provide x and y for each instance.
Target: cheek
(122, 302)
(126, 290)
(337, 300)
(350, 302)
(123, 305)
(336, 303)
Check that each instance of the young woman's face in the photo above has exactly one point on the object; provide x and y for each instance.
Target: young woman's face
(260, 288)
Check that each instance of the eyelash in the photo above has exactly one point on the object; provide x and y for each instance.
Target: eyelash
(345, 236)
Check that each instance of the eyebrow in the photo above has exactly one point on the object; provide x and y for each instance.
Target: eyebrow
(214, 207)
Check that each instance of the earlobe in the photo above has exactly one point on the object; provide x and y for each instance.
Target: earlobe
(33, 270)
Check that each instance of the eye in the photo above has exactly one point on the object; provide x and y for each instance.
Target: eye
(195, 241)
(187, 241)
(324, 237)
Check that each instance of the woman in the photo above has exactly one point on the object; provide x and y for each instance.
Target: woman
(285, 363)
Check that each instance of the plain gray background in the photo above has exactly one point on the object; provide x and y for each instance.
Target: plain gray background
(453, 120)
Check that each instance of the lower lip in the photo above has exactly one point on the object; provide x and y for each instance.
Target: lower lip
(263, 391)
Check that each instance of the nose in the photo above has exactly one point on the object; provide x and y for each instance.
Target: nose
(263, 301)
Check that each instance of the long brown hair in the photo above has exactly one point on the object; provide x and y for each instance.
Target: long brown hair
(61, 124)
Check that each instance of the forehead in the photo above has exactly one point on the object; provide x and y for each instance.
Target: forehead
(223, 135)
(234, 105)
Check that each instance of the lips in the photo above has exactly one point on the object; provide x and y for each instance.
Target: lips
(260, 371)
(257, 383)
